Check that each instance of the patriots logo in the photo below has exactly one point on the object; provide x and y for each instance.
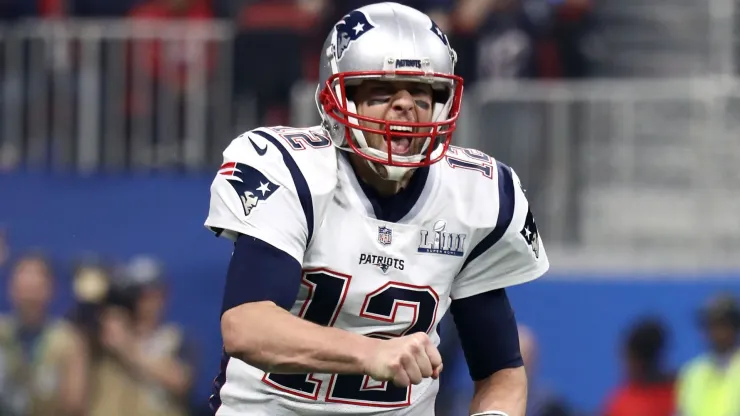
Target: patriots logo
(437, 31)
(530, 234)
(384, 263)
(250, 184)
(349, 29)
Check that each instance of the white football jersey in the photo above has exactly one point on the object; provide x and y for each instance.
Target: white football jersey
(465, 229)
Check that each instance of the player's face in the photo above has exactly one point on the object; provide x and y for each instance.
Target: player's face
(395, 101)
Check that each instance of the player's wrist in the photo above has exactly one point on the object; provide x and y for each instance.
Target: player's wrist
(365, 353)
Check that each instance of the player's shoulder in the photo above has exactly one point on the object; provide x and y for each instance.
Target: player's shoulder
(489, 199)
(303, 157)
(471, 175)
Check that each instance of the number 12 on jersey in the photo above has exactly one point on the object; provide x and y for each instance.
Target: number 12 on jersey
(327, 291)
(470, 159)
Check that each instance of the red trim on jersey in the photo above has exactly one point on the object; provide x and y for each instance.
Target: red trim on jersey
(309, 379)
(330, 399)
(397, 304)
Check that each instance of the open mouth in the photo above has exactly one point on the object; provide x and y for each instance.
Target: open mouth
(401, 145)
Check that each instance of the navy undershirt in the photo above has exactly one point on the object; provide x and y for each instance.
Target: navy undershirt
(394, 207)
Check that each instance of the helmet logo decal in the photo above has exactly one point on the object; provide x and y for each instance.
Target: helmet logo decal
(349, 29)
(440, 34)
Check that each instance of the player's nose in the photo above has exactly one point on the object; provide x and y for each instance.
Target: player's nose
(403, 104)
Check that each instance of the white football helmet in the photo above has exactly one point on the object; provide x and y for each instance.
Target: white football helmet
(388, 41)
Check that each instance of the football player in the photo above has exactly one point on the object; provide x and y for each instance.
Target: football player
(352, 239)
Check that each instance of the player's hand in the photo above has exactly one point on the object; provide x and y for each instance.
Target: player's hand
(404, 361)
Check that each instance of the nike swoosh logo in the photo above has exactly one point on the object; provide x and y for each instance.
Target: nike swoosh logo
(260, 150)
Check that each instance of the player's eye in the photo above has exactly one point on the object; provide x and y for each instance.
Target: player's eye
(423, 103)
(378, 100)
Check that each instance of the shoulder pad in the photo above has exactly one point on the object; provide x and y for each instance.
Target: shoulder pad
(296, 164)
(307, 151)
(471, 175)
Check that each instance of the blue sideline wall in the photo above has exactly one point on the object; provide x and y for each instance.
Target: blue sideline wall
(578, 319)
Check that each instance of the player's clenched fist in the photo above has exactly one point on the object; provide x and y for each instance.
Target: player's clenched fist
(405, 360)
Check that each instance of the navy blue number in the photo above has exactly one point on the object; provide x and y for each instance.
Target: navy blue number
(382, 305)
(477, 161)
(327, 291)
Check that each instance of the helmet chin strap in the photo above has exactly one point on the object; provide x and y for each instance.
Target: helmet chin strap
(396, 173)
(392, 173)
(386, 172)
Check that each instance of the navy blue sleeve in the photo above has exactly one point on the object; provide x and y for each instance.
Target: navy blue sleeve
(488, 332)
(260, 272)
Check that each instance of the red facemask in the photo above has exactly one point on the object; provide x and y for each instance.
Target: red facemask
(440, 131)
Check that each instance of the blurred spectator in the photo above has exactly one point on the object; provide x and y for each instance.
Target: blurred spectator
(272, 30)
(709, 384)
(17, 9)
(171, 61)
(523, 38)
(573, 42)
(166, 69)
(648, 389)
(147, 364)
(43, 370)
(497, 38)
(541, 401)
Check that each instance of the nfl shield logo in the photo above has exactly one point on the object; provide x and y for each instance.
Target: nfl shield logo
(385, 235)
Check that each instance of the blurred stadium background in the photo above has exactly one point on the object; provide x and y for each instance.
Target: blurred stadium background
(621, 117)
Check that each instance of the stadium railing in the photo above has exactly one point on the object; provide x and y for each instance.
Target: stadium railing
(107, 94)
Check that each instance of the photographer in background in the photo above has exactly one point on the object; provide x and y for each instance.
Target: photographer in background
(145, 365)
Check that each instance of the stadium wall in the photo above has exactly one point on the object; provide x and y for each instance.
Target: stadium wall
(578, 318)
